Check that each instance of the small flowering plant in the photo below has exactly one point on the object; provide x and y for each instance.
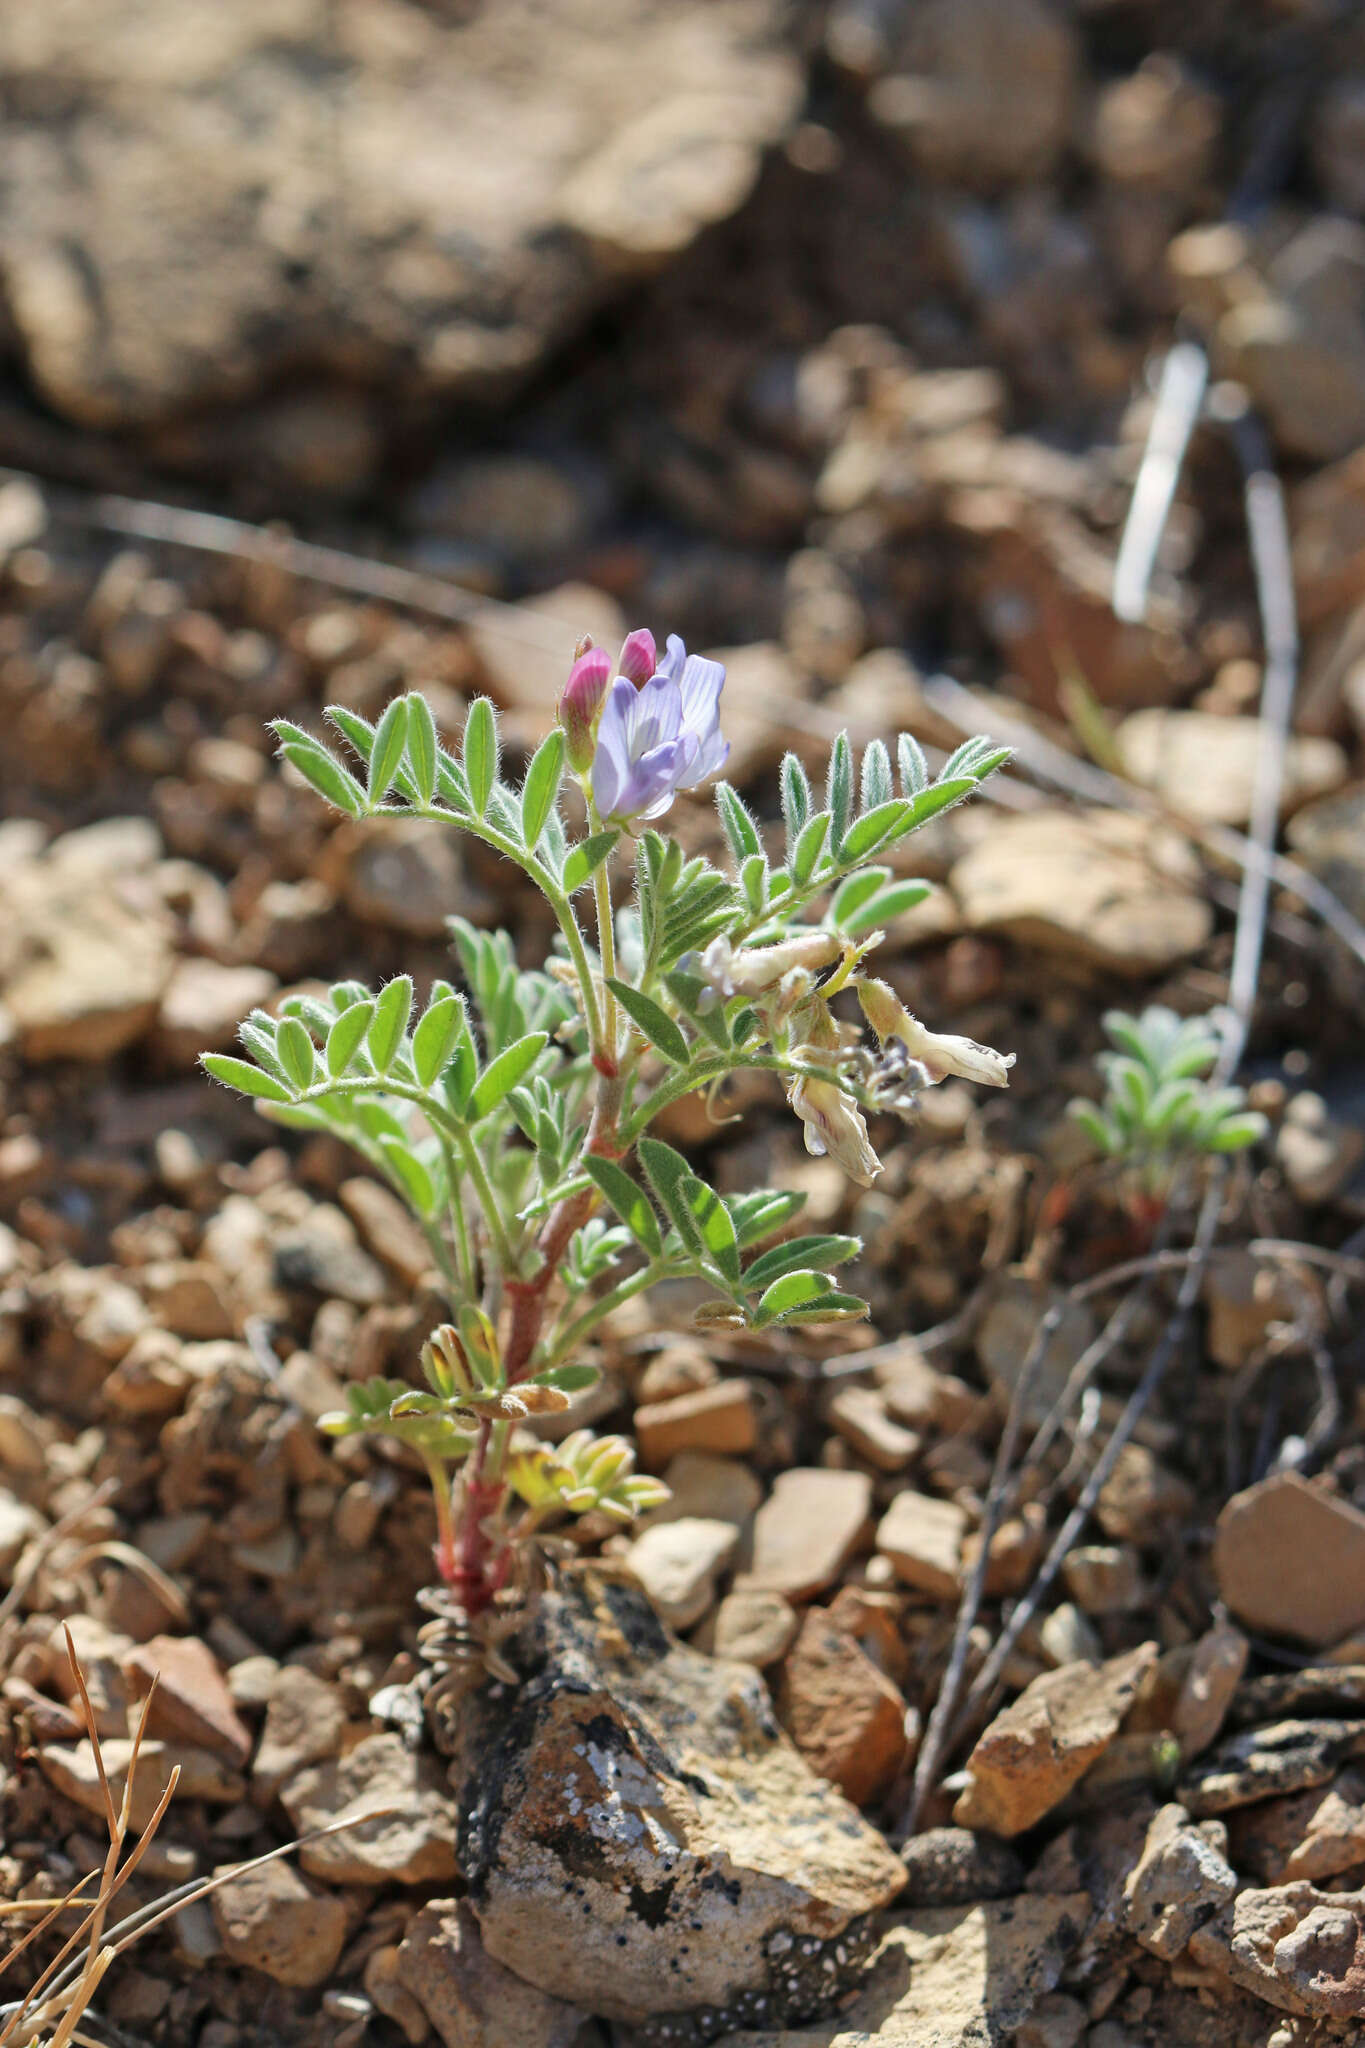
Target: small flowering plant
(514, 1114)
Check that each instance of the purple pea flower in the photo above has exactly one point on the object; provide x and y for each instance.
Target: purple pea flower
(661, 738)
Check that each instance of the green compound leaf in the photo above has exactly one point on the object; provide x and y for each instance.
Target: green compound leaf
(796, 797)
(391, 1010)
(423, 746)
(295, 1049)
(656, 1024)
(800, 1252)
(541, 786)
(241, 1075)
(881, 908)
(810, 844)
(807, 1296)
(481, 753)
(319, 769)
(839, 788)
(873, 829)
(763, 1212)
(436, 1037)
(417, 1182)
(715, 1224)
(630, 1203)
(346, 1036)
(667, 1172)
(739, 827)
(586, 858)
(501, 1076)
(386, 755)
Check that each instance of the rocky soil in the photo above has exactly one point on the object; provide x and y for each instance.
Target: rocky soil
(821, 334)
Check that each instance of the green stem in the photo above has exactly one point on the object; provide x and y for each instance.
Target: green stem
(688, 1079)
(606, 947)
(488, 1201)
(563, 1342)
(535, 872)
(464, 1257)
(445, 1517)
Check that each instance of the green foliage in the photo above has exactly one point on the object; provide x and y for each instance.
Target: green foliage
(510, 1107)
(1157, 1106)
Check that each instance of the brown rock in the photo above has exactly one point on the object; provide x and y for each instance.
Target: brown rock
(471, 2000)
(844, 1715)
(754, 1627)
(1263, 1537)
(188, 1297)
(919, 1395)
(719, 1418)
(1312, 1835)
(1037, 1749)
(1299, 1949)
(1180, 1880)
(203, 1003)
(923, 1538)
(386, 1228)
(413, 1839)
(860, 1416)
(269, 1919)
(642, 1810)
(677, 1563)
(1210, 1680)
(959, 1977)
(807, 1529)
(1204, 765)
(1107, 887)
(1142, 1500)
(305, 1720)
(717, 1489)
(192, 1701)
(954, 1867)
(73, 1771)
(1286, 1756)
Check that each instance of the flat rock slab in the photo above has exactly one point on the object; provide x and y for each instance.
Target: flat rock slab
(639, 1837)
(1045, 1741)
(807, 1529)
(1205, 765)
(1263, 1537)
(1109, 888)
(955, 1977)
(1287, 1756)
(470, 185)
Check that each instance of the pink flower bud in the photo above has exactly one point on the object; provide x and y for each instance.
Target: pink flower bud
(580, 703)
(638, 656)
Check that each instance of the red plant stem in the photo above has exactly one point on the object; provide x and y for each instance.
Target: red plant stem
(482, 1565)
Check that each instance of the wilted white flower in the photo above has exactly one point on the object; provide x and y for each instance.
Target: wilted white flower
(753, 970)
(834, 1125)
(939, 1053)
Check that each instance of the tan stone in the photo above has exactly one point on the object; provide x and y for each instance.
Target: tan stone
(1110, 888)
(192, 1702)
(754, 1627)
(305, 1720)
(861, 1417)
(677, 1563)
(1211, 1678)
(923, 1538)
(386, 1228)
(1290, 1560)
(807, 1529)
(1180, 1880)
(1313, 1835)
(719, 1418)
(471, 2000)
(844, 1715)
(412, 1838)
(269, 1919)
(1205, 765)
(1298, 1948)
(950, 1977)
(1040, 1746)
